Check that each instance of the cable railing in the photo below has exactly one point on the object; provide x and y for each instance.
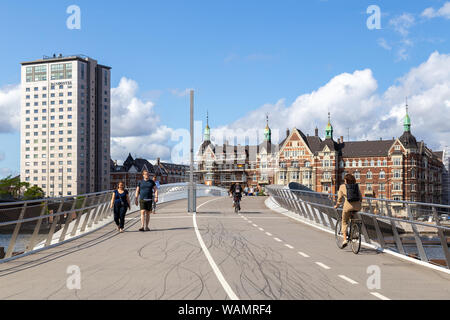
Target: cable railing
(28, 226)
(386, 224)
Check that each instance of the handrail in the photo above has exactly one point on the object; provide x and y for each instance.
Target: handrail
(75, 216)
(316, 206)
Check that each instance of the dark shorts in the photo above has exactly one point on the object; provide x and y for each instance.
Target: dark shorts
(145, 205)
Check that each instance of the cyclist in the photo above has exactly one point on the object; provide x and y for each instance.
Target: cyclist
(350, 194)
(236, 192)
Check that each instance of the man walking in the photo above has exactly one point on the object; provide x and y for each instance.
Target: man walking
(144, 192)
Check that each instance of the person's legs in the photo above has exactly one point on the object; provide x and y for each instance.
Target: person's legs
(142, 220)
(123, 211)
(117, 216)
(147, 220)
(345, 218)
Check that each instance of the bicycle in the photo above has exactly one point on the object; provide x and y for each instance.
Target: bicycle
(353, 233)
(237, 204)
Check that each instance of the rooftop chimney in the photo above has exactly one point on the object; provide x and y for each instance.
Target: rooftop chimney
(158, 160)
(316, 132)
(288, 132)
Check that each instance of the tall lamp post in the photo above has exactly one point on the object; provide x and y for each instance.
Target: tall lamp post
(192, 203)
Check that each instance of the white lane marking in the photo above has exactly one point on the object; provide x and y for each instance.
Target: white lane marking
(269, 234)
(347, 279)
(303, 254)
(261, 229)
(379, 296)
(289, 246)
(276, 239)
(320, 264)
(249, 221)
(214, 266)
(255, 225)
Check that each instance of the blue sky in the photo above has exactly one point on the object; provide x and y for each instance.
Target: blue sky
(237, 55)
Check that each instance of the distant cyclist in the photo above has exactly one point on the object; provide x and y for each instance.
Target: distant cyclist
(236, 191)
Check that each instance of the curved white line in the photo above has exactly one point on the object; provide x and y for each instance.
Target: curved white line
(211, 261)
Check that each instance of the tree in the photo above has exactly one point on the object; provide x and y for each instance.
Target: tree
(33, 193)
(10, 187)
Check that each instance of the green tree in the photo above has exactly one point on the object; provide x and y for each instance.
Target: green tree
(10, 187)
(33, 193)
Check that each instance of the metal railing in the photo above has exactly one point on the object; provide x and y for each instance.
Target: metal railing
(27, 226)
(387, 224)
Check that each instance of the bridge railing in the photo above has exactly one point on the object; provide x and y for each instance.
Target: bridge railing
(386, 224)
(28, 226)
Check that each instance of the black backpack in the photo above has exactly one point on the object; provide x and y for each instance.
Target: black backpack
(353, 193)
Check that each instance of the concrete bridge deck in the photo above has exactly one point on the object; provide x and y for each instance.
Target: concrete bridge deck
(261, 255)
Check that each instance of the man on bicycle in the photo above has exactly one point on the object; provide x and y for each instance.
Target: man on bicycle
(350, 194)
(236, 191)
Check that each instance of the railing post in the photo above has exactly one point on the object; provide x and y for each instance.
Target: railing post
(442, 238)
(422, 254)
(79, 214)
(377, 227)
(36, 228)
(54, 224)
(68, 220)
(397, 239)
(12, 242)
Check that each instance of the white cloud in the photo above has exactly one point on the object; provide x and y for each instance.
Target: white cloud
(135, 127)
(403, 23)
(383, 43)
(148, 147)
(131, 116)
(354, 103)
(444, 12)
(180, 93)
(4, 172)
(10, 108)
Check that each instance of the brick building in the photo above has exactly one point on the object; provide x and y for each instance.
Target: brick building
(398, 169)
(131, 172)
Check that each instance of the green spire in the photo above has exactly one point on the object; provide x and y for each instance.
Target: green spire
(329, 129)
(267, 131)
(407, 121)
(207, 133)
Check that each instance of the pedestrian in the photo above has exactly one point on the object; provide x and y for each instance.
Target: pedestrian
(120, 201)
(144, 192)
(155, 180)
(246, 190)
(350, 194)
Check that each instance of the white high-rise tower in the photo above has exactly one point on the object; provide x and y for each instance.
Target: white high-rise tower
(65, 125)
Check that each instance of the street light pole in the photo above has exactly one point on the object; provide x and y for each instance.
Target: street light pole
(192, 206)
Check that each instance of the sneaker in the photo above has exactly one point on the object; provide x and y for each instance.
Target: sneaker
(344, 244)
(141, 229)
(147, 229)
(121, 230)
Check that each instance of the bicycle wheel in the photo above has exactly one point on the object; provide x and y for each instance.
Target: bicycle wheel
(338, 234)
(236, 207)
(356, 238)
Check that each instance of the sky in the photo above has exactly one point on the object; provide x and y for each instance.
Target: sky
(293, 60)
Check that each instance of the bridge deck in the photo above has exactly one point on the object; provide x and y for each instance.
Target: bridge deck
(261, 254)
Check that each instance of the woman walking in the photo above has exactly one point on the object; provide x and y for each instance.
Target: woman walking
(120, 202)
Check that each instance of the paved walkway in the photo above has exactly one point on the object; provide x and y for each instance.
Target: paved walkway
(260, 254)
